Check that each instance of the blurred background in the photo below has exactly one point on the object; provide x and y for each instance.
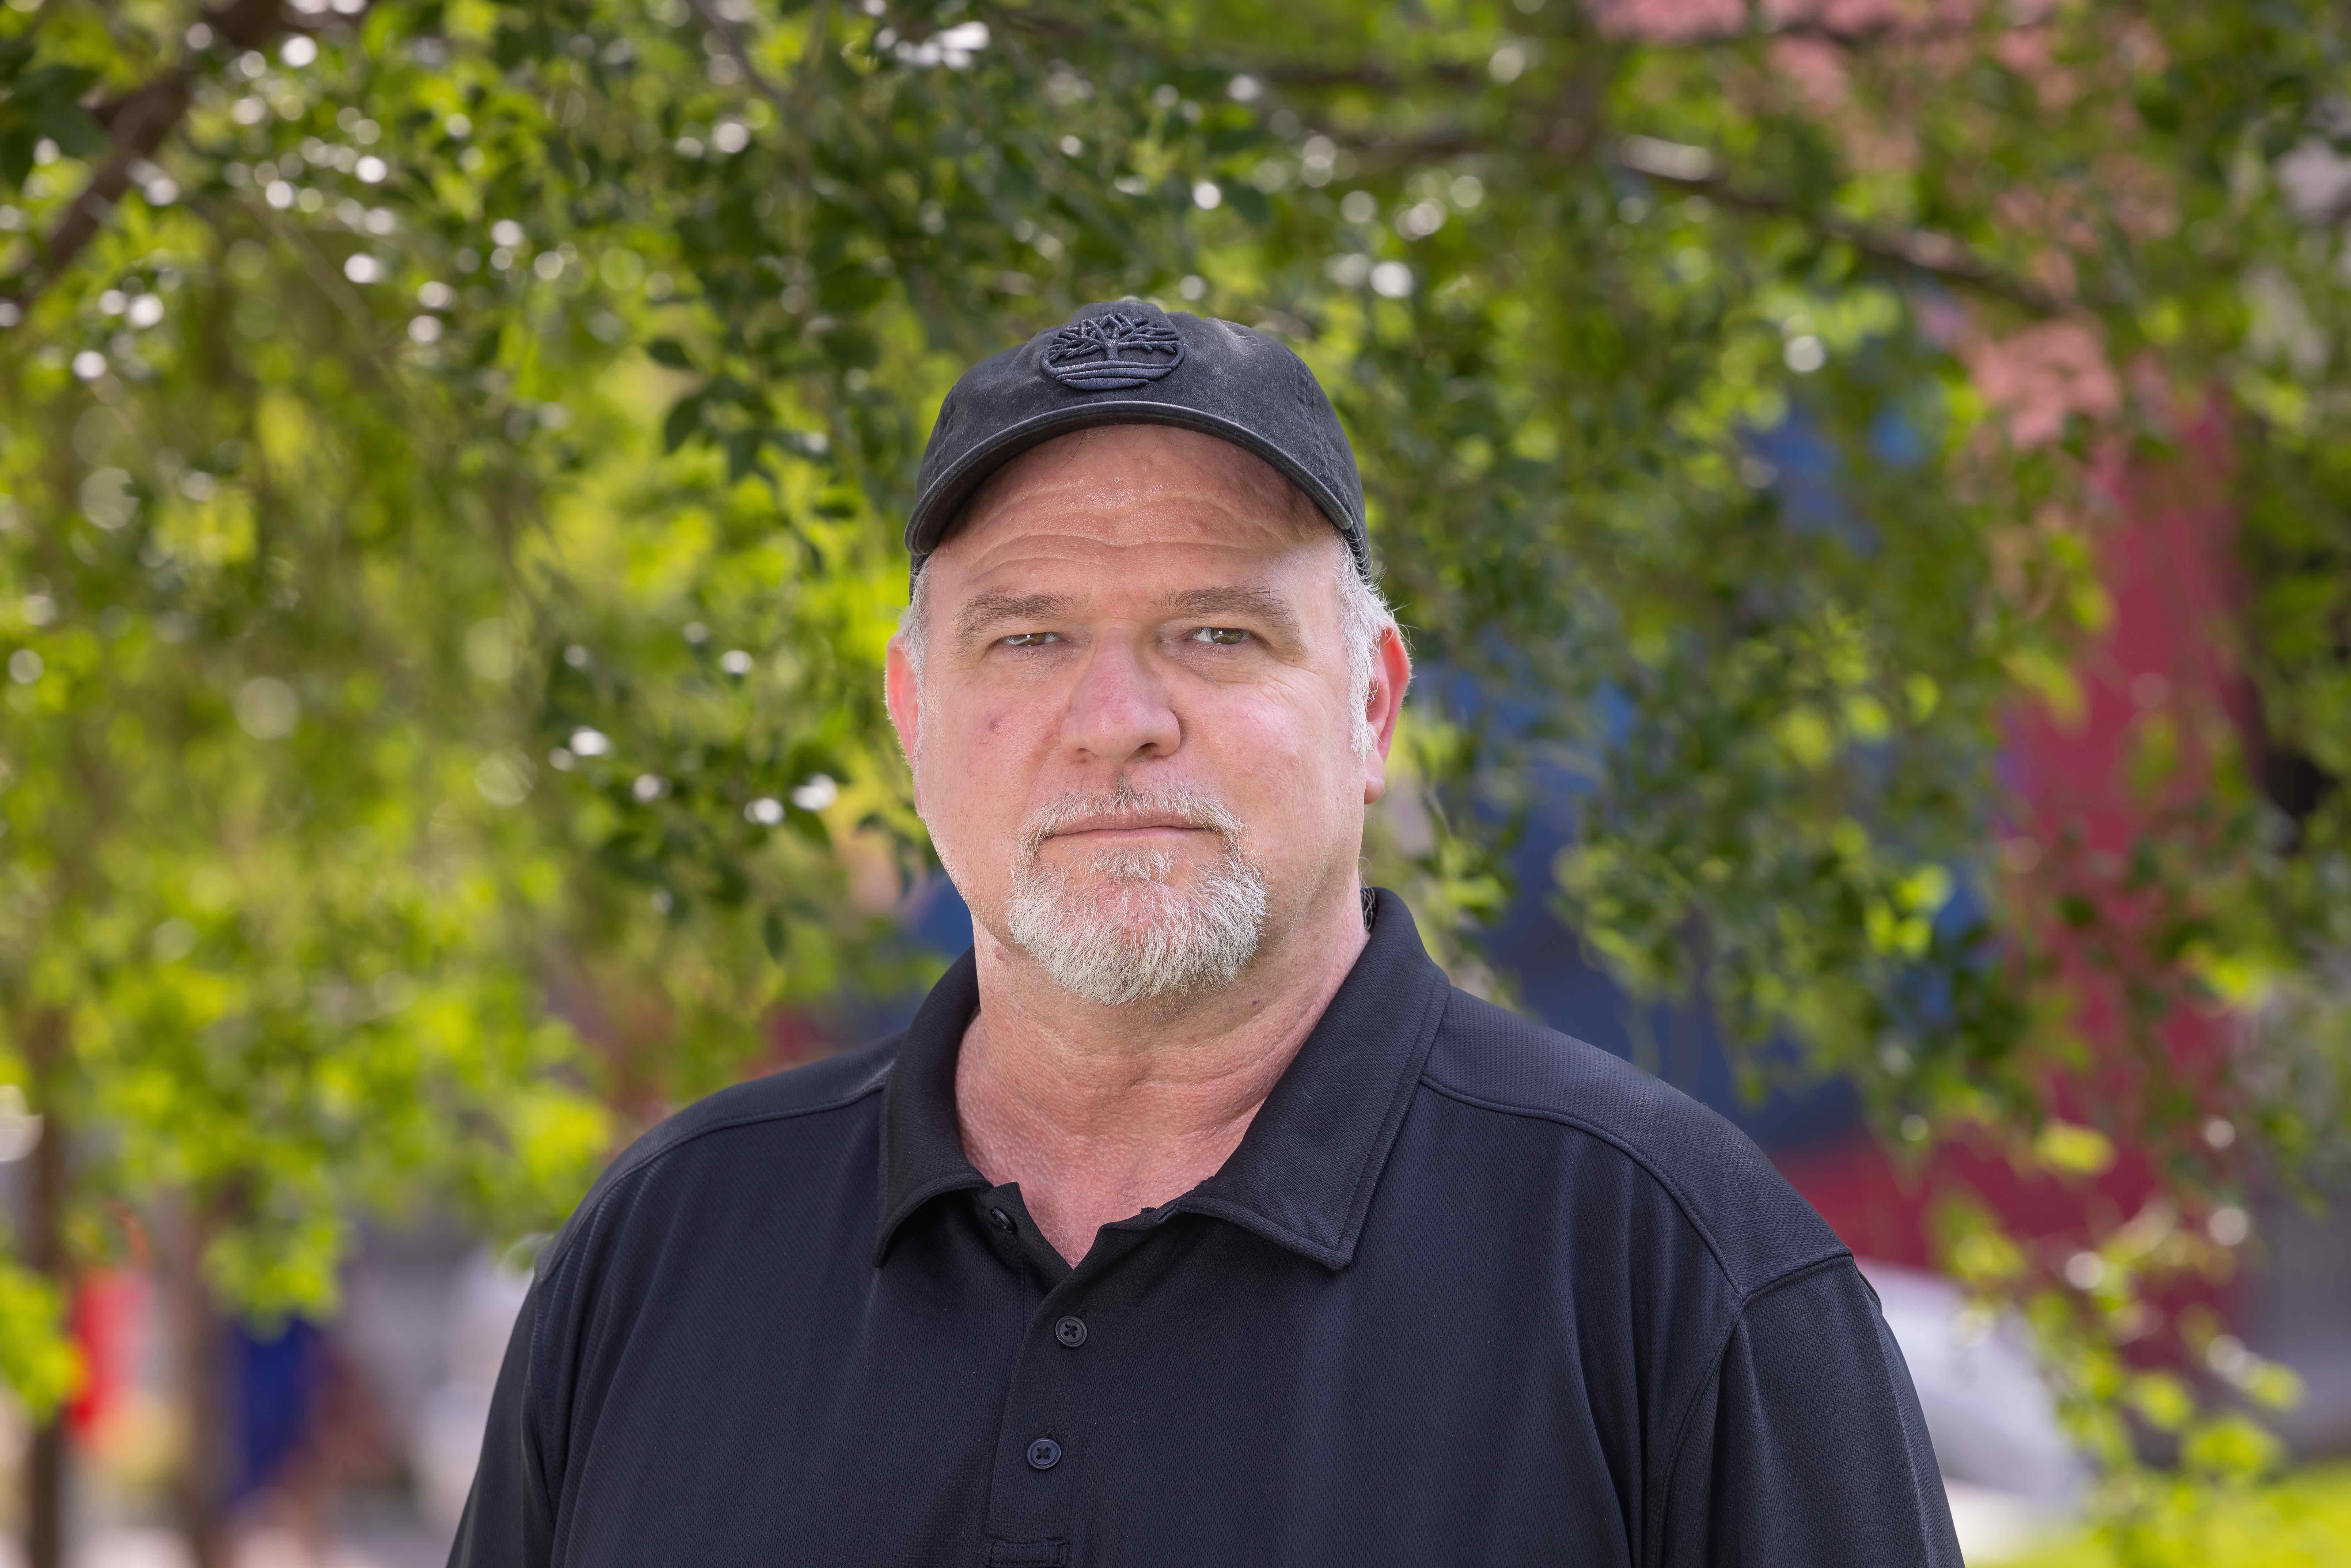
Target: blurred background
(1857, 474)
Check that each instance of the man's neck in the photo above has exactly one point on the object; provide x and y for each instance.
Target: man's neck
(1100, 1112)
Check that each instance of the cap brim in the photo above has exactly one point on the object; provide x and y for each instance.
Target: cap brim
(934, 511)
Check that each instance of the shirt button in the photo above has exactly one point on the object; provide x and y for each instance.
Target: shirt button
(1071, 1332)
(1002, 1221)
(1044, 1454)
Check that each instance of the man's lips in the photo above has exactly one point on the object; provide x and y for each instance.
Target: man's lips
(1121, 826)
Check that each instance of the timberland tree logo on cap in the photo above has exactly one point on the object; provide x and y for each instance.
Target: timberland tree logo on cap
(1112, 351)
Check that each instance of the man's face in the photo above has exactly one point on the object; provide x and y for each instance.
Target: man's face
(1134, 729)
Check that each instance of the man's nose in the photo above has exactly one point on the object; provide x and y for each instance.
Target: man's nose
(1119, 709)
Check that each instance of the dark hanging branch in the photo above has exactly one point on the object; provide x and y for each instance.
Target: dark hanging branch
(1574, 133)
(1918, 250)
(139, 123)
(1574, 138)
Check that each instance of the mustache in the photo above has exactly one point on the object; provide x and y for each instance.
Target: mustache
(1158, 803)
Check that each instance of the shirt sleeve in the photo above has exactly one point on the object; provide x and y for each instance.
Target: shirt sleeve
(507, 1518)
(1808, 1444)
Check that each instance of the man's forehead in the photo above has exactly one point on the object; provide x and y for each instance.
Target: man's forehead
(1134, 484)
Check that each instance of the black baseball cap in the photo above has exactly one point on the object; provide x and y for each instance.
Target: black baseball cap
(1127, 361)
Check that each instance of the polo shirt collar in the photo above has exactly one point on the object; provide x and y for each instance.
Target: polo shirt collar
(1305, 1173)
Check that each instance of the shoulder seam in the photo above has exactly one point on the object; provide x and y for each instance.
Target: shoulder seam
(1741, 1294)
(541, 1297)
(621, 1176)
(1584, 1124)
(1793, 1271)
(1681, 1428)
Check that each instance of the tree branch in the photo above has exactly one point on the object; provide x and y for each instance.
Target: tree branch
(1310, 75)
(140, 126)
(1886, 32)
(1569, 138)
(1921, 250)
(812, 67)
(140, 123)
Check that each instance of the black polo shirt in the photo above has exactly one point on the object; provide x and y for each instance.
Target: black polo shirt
(1469, 1292)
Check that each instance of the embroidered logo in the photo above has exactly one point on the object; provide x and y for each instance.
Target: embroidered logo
(1112, 351)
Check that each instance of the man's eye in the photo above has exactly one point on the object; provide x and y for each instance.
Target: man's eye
(1032, 639)
(1221, 636)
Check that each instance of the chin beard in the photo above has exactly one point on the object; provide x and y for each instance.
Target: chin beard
(1130, 925)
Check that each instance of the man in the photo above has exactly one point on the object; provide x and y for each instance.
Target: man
(1196, 1219)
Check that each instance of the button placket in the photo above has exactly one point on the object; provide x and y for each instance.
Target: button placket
(1041, 1440)
(1038, 1372)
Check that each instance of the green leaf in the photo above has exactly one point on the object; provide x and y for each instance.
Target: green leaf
(685, 418)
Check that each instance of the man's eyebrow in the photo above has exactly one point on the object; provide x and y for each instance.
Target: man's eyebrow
(985, 610)
(1262, 603)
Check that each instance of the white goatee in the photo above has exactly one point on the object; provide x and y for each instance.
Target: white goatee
(1125, 924)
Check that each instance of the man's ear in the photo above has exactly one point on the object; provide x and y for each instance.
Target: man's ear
(902, 693)
(1383, 705)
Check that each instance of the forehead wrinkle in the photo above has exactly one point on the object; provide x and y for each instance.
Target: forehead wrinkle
(1106, 556)
(1174, 543)
(1110, 474)
(1115, 512)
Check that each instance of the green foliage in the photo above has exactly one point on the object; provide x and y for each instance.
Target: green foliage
(448, 515)
(2301, 1524)
(39, 1368)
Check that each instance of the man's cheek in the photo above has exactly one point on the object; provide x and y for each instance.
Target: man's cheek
(1257, 748)
(989, 762)
(991, 725)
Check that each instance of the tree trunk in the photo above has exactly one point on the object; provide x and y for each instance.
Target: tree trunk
(201, 1490)
(45, 1252)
